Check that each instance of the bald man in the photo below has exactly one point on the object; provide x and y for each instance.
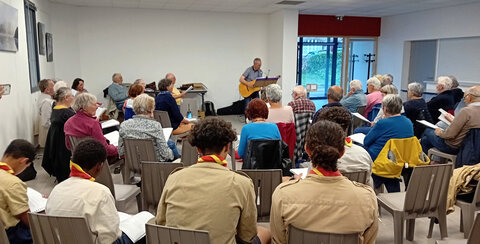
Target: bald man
(175, 92)
(334, 95)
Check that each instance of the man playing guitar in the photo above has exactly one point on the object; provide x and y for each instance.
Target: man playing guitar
(250, 74)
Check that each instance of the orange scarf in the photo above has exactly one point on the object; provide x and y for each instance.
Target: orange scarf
(77, 171)
(7, 168)
(213, 158)
(323, 172)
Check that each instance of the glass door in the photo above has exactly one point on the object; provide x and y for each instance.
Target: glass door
(361, 59)
(319, 64)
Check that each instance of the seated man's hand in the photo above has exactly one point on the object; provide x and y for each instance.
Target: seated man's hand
(438, 131)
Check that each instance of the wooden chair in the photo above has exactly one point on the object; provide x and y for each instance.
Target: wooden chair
(359, 176)
(189, 153)
(75, 140)
(122, 193)
(154, 176)
(298, 236)
(467, 211)
(163, 118)
(47, 229)
(436, 152)
(426, 196)
(157, 234)
(302, 123)
(137, 150)
(264, 182)
(3, 234)
(473, 238)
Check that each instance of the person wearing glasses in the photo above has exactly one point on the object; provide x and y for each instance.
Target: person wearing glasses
(450, 139)
(13, 191)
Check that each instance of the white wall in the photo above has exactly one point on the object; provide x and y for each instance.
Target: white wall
(213, 48)
(18, 109)
(451, 22)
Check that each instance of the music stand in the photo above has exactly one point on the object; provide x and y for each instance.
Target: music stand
(262, 82)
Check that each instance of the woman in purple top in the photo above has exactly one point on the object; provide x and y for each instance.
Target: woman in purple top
(85, 124)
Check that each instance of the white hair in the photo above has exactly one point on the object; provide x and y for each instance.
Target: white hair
(143, 104)
(416, 89)
(375, 82)
(300, 91)
(59, 84)
(274, 93)
(392, 103)
(445, 81)
(356, 84)
(82, 100)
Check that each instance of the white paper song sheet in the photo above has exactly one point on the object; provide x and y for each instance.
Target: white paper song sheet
(100, 111)
(113, 137)
(36, 201)
(134, 225)
(167, 132)
(358, 137)
(303, 171)
(361, 117)
(442, 116)
(110, 123)
(426, 123)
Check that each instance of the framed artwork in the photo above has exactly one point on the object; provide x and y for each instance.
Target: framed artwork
(41, 38)
(8, 28)
(49, 41)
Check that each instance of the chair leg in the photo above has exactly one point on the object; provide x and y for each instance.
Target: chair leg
(139, 202)
(467, 215)
(410, 229)
(398, 227)
(430, 228)
(442, 222)
(461, 221)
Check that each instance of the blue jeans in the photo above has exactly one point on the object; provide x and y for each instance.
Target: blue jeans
(392, 184)
(247, 100)
(171, 144)
(430, 140)
(123, 240)
(19, 234)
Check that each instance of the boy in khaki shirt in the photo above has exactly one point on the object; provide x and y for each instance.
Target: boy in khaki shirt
(208, 196)
(13, 192)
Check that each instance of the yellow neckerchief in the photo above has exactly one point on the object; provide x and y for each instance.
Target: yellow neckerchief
(77, 171)
(7, 168)
(348, 142)
(60, 107)
(213, 158)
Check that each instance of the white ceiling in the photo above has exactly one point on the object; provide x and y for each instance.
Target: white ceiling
(373, 8)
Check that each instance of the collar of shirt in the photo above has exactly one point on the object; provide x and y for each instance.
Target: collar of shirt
(164, 92)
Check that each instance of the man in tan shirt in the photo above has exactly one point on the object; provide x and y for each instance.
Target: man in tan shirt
(175, 92)
(208, 196)
(13, 192)
(449, 140)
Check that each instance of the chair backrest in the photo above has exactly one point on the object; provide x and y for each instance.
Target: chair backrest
(474, 236)
(356, 122)
(154, 176)
(263, 154)
(358, 176)
(137, 150)
(105, 178)
(427, 190)
(75, 140)
(163, 118)
(302, 123)
(3, 234)
(189, 153)
(373, 113)
(189, 103)
(299, 236)
(47, 229)
(157, 234)
(264, 183)
(289, 136)
(469, 153)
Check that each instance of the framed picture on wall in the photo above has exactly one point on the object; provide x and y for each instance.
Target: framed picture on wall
(49, 41)
(8, 28)
(41, 38)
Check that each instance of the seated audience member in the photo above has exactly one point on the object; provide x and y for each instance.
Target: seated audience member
(387, 79)
(456, 91)
(13, 191)
(257, 112)
(416, 108)
(227, 208)
(355, 158)
(59, 84)
(44, 105)
(140, 82)
(325, 201)
(375, 96)
(175, 92)
(450, 140)
(81, 196)
(393, 126)
(133, 92)
(143, 126)
(78, 86)
(277, 113)
(116, 91)
(85, 124)
(56, 156)
(165, 102)
(355, 98)
(300, 103)
(444, 100)
(334, 95)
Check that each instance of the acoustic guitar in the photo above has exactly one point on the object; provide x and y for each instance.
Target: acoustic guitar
(246, 91)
